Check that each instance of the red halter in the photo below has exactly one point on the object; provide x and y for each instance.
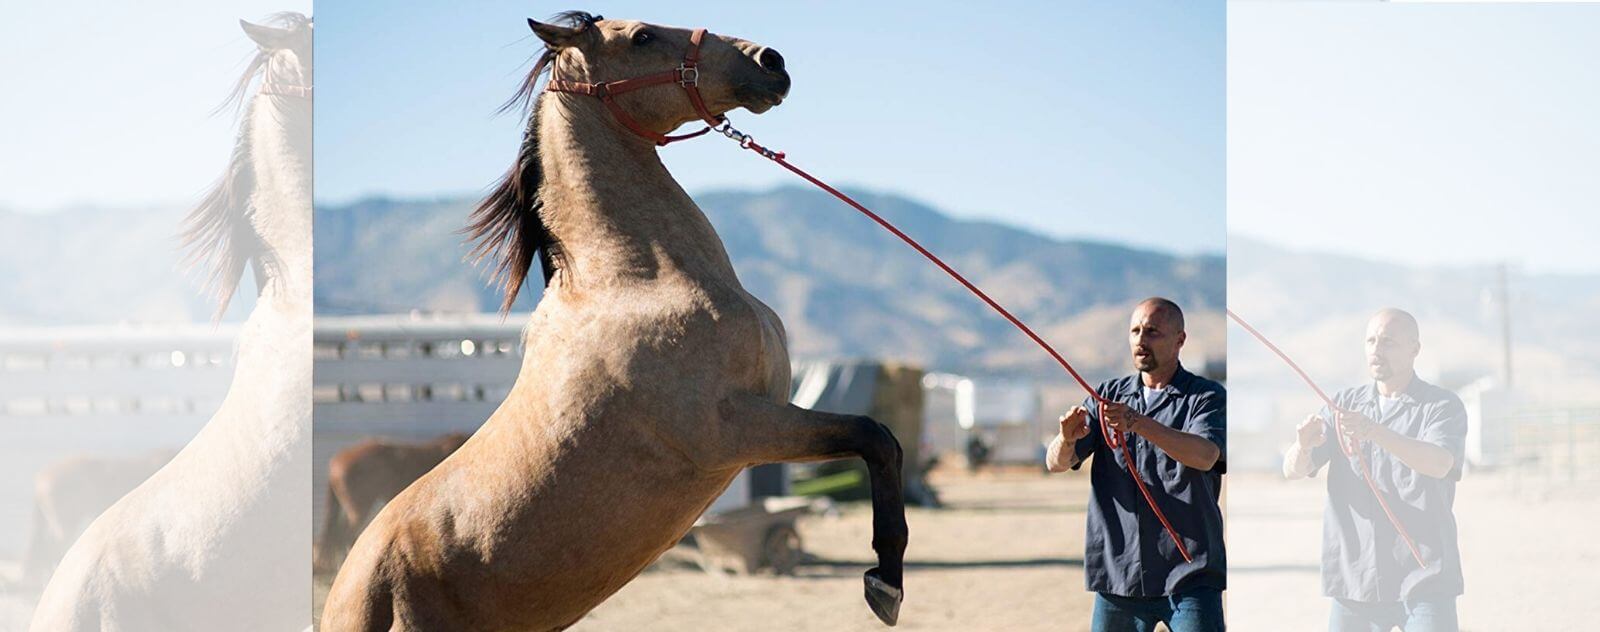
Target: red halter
(687, 75)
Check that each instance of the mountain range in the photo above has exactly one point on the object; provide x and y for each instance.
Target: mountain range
(842, 285)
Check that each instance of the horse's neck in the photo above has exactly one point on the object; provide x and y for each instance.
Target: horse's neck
(613, 206)
(272, 379)
(280, 137)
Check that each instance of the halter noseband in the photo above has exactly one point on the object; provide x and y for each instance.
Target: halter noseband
(687, 75)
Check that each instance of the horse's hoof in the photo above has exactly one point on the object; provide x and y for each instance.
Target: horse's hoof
(883, 598)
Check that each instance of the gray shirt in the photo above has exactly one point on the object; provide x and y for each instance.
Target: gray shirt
(1127, 552)
(1363, 556)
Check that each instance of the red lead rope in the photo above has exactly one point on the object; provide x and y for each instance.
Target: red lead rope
(1114, 438)
(1349, 450)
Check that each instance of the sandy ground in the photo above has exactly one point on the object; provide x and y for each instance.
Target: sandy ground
(1005, 554)
(1528, 554)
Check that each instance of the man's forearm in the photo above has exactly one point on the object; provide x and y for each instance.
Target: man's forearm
(1297, 462)
(1061, 456)
(1189, 449)
(1426, 458)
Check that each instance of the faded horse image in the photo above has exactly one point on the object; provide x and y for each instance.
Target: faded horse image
(1395, 449)
(1154, 548)
(217, 539)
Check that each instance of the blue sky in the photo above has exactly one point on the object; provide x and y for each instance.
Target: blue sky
(1424, 134)
(109, 103)
(1092, 120)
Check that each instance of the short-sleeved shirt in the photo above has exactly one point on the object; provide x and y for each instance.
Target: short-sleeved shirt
(1363, 556)
(1127, 552)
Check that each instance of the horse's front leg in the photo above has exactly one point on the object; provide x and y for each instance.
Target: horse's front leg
(757, 430)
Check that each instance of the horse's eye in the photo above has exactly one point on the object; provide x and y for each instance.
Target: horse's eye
(643, 37)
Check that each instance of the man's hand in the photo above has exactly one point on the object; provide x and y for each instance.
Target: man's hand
(1120, 417)
(1075, 424)
(1355, 427)
(1062, 454)
(1312, 432)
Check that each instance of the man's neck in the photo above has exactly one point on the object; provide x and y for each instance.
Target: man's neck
(1396, 385)
(1160, 377)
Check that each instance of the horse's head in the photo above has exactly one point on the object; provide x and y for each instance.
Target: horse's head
(233, 226)
(733, 73)
(285, 56)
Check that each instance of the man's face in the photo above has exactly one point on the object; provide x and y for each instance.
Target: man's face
(1154, 339)
(1391, 347)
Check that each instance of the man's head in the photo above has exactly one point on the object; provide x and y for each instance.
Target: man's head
(1393, 342)
(1155, 335)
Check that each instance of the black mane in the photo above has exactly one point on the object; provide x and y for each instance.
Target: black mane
(507, 226)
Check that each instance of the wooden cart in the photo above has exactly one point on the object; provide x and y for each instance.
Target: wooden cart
(752, 538)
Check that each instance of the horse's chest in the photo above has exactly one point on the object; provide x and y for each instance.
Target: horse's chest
(760, 358)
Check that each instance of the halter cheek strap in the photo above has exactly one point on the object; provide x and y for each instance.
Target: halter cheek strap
(686, 75)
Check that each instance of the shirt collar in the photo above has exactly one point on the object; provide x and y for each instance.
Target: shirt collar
(1178, 385)
(1407, 396)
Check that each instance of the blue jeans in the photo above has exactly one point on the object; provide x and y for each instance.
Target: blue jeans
(1194, 610)
(1383, 616)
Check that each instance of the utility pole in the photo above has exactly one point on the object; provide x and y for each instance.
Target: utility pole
(1505, 321)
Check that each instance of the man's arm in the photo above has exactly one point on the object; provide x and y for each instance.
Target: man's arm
(1063, 453)
(1426, 458)
(1298, 462)
(1061, 457)
(1189, 449)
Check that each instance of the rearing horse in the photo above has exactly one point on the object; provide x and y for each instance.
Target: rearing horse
(651, 378)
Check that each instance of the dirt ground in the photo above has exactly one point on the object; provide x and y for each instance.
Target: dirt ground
(1004, 554)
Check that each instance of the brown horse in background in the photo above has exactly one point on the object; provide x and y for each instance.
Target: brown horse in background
(364, 477)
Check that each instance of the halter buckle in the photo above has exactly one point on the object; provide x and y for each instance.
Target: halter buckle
(688, 76)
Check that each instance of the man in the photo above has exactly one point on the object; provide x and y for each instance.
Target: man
(1174, 424)
(1411, 436)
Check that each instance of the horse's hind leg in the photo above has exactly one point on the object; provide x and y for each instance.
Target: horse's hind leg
(756, 430)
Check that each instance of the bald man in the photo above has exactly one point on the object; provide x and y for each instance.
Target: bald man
(1412, 436)
(1175, 425)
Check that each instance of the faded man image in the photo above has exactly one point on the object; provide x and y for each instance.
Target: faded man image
(1175, 426)
(1411, 436)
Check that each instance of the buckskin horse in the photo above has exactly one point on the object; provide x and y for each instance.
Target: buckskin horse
(651, 378)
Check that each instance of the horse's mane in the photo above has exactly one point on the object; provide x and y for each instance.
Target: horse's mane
(218, 233)
(507, 225)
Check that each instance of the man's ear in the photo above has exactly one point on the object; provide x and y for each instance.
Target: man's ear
(268, 38)
(554, 36)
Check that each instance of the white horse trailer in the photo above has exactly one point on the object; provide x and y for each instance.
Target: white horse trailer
(1003, 414)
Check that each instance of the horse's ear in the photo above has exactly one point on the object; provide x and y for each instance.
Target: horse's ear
(268, 38)
(555, 36)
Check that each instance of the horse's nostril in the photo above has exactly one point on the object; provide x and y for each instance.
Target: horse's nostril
(770, 60)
